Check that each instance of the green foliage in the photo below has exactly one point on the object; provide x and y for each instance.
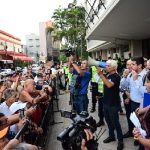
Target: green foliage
(62, 57)
(69, 24)
(20, 63)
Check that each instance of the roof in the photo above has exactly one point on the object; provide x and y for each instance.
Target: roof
(10, 35)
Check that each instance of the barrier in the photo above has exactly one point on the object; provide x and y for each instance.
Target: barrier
(48, 109)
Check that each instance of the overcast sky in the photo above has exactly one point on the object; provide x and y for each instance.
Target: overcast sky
(21, 17)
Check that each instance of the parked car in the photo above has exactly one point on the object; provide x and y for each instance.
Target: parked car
(5, 72)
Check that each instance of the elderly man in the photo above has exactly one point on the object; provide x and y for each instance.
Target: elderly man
(29, 89)
(111, 102)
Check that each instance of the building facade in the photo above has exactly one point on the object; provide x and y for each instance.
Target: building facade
(118, 27)
(9, 42)
(48, 47)
(33, 46)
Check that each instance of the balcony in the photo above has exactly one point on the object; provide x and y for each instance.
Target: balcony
(122, 19)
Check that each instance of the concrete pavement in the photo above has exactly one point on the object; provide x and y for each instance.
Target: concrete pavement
(54, 130)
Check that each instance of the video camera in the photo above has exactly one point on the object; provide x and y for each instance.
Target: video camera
(69, 51)
(72, 136)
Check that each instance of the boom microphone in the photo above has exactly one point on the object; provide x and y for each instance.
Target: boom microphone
(93, 62)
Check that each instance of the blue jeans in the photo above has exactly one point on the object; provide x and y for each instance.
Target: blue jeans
(81, 103)
(112, 119)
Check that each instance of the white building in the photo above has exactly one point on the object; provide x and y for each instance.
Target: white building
(33, 46)
(118, 26)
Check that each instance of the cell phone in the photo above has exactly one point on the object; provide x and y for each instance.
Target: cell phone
(21, 111)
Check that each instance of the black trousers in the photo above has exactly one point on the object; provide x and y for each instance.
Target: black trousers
(128, 112)
(112, 119)
(100, 109)
(94, 93)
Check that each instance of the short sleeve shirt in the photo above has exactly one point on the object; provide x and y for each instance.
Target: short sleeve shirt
(111, 95)
(84, 82)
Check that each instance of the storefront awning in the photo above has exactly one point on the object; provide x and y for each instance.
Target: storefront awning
(9, 55)
(3, 52)
(23, 58)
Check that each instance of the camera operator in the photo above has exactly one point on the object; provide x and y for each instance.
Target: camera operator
(15, 144)
(89, 136)
(81, 85)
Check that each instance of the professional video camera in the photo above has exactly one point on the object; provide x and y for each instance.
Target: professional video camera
(72, 136)
(69, 51)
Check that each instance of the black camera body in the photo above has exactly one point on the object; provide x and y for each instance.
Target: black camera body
(69, 51)
(72, 136)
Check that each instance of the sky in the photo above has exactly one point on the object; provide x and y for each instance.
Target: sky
(22, 17)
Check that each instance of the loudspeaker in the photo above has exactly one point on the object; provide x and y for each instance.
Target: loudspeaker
(93, 62)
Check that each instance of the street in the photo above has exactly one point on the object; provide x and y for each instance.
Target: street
(54, 130)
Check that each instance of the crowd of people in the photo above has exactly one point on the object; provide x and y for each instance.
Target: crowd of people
(109, 88)
(24, 99)
(25, 95)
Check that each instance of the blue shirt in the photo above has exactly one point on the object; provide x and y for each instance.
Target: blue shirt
(124, 84)
(135, 87)
(85, 79)
(84, 82)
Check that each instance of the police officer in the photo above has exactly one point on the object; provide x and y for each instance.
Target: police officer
(94, 86)
(99, 97)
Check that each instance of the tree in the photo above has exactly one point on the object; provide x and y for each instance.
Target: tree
(69, 25)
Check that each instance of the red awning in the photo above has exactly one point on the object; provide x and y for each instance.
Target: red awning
(26, 59)
(23, 58)
(15, 55)
(3, 52)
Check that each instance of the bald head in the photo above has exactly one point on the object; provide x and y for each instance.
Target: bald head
(29, 85)
(28, 82)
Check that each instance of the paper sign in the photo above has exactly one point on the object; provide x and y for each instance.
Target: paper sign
(137, 124)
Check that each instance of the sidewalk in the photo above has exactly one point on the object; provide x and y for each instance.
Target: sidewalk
(53, 144)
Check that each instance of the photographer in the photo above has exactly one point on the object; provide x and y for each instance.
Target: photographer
(89, 136)
(80, 84)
